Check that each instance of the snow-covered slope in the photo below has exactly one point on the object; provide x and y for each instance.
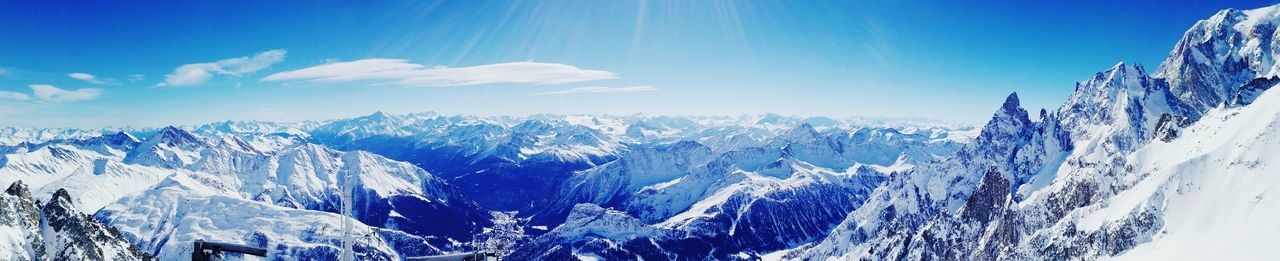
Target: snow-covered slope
(1126, 167)
(167, 217)
(83, 166)
(412, 210)
(1190, 193)
(387, 194)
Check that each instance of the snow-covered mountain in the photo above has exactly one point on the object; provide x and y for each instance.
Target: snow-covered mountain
(510, 163)
(182, 209)
(1125, 168)
(787, 191)
(56, 230)
(488, 157)
(170, 186)
(15, 135)
(1135, 165)
(411, 211)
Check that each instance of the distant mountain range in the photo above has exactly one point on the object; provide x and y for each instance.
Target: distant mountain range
(1175, 164)
(428, 183)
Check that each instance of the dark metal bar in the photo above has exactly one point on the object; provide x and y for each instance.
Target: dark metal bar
(215, 250)
(472, 256)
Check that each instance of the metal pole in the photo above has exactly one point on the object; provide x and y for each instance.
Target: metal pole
(345, 186)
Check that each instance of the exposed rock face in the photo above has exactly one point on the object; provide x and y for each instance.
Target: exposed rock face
(56, 231)
(1168, 127)
(1250, 91)
(1214, 57)
(986, 203)
(19, 213)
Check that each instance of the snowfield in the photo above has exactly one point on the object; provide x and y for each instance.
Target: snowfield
(1217, 183)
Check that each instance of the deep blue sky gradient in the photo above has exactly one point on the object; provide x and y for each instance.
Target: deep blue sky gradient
(952, 60)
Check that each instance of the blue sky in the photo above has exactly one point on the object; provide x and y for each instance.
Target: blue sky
(115, 63)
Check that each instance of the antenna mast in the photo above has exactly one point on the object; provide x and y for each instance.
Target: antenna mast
(346, 221)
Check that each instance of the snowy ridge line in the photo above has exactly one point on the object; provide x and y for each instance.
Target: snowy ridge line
(1114, 172)
(132, 178)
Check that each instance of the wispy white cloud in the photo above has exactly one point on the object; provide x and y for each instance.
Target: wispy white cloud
(17, 96)
(88, 78)
(601, 90)
(45, 92)
(137, 77)
(403, 72)
(199, 73)
(81, 76)
(54, 94)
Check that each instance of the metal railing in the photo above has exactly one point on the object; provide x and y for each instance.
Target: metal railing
(212, 251)
(472, 256)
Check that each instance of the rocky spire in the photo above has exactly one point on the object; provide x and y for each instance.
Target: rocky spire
(18, 189)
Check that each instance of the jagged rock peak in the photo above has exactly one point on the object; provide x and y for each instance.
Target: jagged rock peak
(1011, 103)
(683, 145)
(175, 134)
(170, 129)
(120, 137)
(1121, 69)
(18, 189)
(1226, 16)
(1218, 54)
(378, 115)
(1117, 77)
(61, 197)
(801, 133)
(1010, 119)
(128, 136)
(1011, 108)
